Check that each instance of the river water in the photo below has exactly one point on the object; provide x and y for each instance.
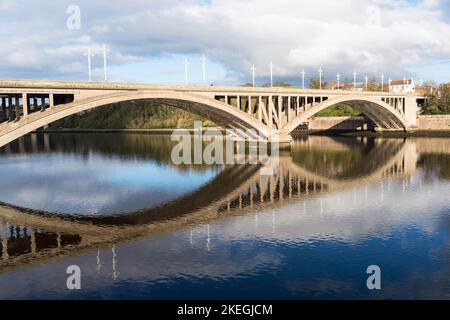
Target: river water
(140, 227)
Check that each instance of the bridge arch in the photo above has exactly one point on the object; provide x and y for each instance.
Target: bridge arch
(382, 114)
(219, 112)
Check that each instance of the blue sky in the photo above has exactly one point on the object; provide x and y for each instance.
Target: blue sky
(149, 39)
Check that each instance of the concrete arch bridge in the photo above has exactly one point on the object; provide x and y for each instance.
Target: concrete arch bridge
(273, 113)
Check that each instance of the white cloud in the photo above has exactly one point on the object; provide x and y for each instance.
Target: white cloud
(367, 35)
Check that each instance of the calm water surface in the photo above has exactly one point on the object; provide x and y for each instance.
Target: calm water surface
(140, 227)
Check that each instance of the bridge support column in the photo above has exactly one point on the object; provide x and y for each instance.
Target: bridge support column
(4, 241)
(25, 105)
(411, 111)
(289, 109)
(280, 113)
(51, 101)
(271, 109)
(17, 107)
(284, 140)
(10, 109)
(3, 101)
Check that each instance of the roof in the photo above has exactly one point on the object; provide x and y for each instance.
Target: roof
(400, 82)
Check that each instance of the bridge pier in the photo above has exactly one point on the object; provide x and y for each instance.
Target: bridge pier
(3, 102)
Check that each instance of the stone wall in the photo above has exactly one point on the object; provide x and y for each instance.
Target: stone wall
(434, 122)
(424, 123)
(339, 123)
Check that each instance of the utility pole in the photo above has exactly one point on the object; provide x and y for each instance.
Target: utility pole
(203, 58)
(185, 62)
(320, 78)
(271, 74)
(303, 78)
(253, 74)
(89, 56)
(104, 51)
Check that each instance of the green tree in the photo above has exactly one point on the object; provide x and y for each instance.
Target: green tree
(438, 101)
(314, 83)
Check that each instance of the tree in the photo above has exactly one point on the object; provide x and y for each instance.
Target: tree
(314, 83)
(278, 84)
(438, 101)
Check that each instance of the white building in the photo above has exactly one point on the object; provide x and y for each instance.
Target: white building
(402, 86)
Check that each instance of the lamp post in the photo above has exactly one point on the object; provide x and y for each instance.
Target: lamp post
(382, 82)
(320, 78)
(367, 83)
(203, 58)
(338, 78)
(303, 78)
(185, 62)
(89, 57)
(354, 81)
(271, 74)
(104, 50)
(253, 74)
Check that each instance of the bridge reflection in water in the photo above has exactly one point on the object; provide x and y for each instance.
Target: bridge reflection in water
(316, 166)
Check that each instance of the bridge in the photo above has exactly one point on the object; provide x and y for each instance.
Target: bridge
(274, 113)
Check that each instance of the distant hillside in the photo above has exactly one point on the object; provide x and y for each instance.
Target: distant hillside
(132, 115)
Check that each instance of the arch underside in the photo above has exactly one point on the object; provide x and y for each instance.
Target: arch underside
(222, 119)
(381, 117)
(380, 113)
(220, 113)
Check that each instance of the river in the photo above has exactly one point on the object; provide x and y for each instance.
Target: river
(140, 227)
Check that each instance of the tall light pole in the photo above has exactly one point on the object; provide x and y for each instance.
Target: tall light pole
(203, 58)
(185, 62)
(367, 83)
(320, 78)
(354, 81)
(303, 78)
(382, 82)
(104, 51)
(338, 77)
(271, 74)
(253, 74)
(89, 56)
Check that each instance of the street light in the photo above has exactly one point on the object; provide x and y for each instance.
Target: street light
(89, 55)
(367, 83)
(320, 77)
(203, 58)
(303, 78)
(103, 51)
(382, 82)
(185, 62)
(271, 74)
(354, 81)
(338, 77)
(253, 74)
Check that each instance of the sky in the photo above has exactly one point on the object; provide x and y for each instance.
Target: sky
(149, 39)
